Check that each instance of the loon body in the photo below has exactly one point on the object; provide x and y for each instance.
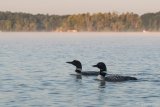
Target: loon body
(79, 69)
(110, 77)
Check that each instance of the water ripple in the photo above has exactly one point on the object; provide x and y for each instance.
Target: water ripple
(33, 72)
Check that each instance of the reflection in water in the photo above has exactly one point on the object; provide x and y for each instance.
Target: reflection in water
(102, 84)
(78, 77)
(101, 94)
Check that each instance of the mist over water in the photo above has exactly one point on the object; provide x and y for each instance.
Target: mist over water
(33, 72)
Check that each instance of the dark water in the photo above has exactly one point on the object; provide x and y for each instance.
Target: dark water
(33, 72)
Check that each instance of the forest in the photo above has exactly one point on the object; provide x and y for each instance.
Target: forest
(86, 22)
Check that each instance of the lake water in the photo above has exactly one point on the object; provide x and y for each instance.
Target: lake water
(33, 72)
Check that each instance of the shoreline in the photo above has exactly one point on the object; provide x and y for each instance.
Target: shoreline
(79, 32)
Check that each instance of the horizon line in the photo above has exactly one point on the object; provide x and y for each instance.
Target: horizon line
(78, 12)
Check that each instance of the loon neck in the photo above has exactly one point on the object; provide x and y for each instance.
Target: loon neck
(102, 73)
(103, 70)
(100, 77)
(78, 71)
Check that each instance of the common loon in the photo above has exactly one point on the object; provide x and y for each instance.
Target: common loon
(110, 77)
(79, 69)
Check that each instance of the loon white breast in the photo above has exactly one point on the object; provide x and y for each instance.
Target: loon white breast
(110, 78)
(79, 69)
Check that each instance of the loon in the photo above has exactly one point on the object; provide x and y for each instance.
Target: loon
(110, 77)
(79, 69)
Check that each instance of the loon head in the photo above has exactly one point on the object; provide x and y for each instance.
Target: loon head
(77, 64)
(101, 66)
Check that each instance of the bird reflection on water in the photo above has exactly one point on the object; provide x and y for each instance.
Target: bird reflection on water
(78, 77)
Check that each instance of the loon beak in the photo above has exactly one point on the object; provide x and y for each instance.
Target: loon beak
(94, 66)
(69, 62)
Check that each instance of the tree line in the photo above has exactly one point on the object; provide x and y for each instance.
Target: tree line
(99, 22)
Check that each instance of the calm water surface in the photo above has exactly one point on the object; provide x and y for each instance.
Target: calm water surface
(33, 72)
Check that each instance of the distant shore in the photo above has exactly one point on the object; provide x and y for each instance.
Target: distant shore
(85, 22)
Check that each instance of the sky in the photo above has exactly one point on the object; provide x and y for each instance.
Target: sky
(63, 7)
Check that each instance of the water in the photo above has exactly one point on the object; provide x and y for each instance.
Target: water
(33, 72)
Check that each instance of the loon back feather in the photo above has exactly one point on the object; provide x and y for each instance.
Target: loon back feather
(118, 78)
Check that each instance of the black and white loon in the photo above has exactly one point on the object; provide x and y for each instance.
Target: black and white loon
(110, 77)
(79, 69)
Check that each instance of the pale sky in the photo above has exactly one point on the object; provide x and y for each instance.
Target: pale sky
(61, 7)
